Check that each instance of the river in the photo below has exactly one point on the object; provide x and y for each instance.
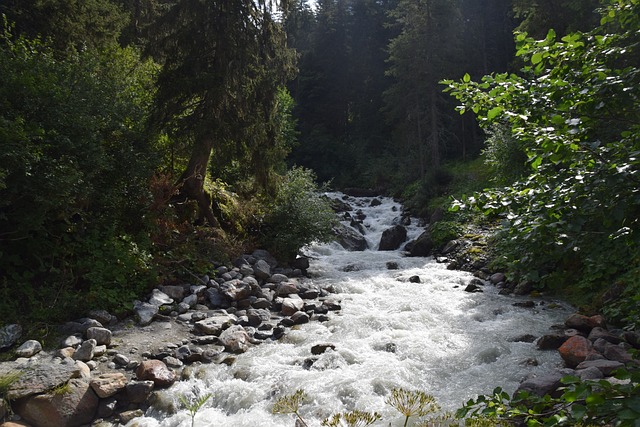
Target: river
(390, 333)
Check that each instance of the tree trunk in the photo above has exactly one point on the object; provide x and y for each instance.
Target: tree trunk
(191, 183)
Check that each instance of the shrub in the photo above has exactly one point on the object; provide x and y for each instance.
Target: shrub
(297, 216)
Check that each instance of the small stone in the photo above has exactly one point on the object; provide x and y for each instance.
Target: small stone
(107, 384)
(300, 318)
(321, 348)
(156, 371)
(29, 349)
(72, 341)
(101, 335)
(121, 359)
(127, 416)
(159, 298)
(415, 279)
(86, 351)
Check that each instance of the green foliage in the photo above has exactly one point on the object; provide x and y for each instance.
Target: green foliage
(194, 402)
(582, 403)
(70, 25)
(298, 215)
(505, 156)
(443, 232)
(574, 111)
(74, 171)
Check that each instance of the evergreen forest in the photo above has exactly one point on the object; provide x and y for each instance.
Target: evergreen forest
(141, 139)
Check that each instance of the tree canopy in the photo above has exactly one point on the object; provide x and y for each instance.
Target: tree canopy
(574, 111)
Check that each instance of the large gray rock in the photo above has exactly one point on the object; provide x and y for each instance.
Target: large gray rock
(9, 335)
(159, 298)
(261, 254)
(216, 298)
(605, 366)
(545, 384)
(262, 269)
(349, 238)
(37, 378)
(422, 246)
(29, 348)
(101, 335)
(86, 351)
(75, 407)
(215, 324)
(145, 312)
(392, 238)
(236, 290)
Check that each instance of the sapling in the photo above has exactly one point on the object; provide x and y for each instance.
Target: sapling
(194, 403)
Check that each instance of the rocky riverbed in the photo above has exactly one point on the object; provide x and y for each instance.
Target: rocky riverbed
(107, 372)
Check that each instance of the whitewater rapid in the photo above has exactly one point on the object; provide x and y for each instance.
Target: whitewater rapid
(390, 333)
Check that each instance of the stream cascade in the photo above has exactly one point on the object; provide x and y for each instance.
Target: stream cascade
(391, 332)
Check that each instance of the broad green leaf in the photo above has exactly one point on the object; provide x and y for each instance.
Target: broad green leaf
(536, 58)
(491, 114)
(466, 78)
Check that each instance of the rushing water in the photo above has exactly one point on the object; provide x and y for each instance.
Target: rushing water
(429, 336)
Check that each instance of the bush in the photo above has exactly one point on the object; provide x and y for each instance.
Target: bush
(297, 216)
(504, 155)
(74, 173)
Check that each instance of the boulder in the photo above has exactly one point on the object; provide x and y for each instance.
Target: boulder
(291, 305)
(349, 238)
(41, 377)
(107, 384)
(546, 384)
(86, 351)
(9, 335)
(156, 371)
(392, 238)
(551, 341)
(497, 278)
(300, 317)
(605, 366)
(74, 407)
(617, 353)
(159, 298)
(422, 246)
(235, 339)
(575, 350)
(583, 323)
(139, 391)
(145, 312)
(29, 348)
(301, 263)
(236, 290)
(262, 269)
(321, 348)
(215, 324)
(261, 254)
(601, 333)
(287, 288)
(175, 292)
(101, 335)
